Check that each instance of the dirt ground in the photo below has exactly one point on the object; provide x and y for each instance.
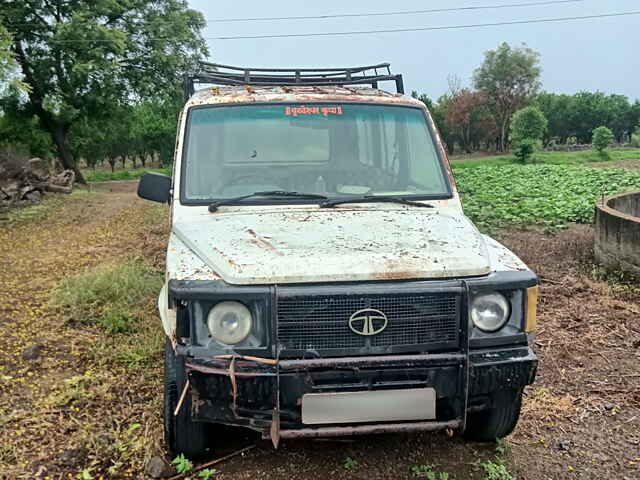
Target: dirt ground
(77, 410)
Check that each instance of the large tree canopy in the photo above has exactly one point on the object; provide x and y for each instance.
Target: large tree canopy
(85, 59)
(509, 77)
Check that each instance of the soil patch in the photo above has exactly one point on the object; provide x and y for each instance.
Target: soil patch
(633, 163)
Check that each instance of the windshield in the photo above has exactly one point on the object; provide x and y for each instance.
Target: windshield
(335, 150)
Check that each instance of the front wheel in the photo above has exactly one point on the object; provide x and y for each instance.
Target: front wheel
(497, 422)
(182, 435)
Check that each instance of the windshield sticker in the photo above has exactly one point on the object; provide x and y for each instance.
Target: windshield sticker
(308, 110)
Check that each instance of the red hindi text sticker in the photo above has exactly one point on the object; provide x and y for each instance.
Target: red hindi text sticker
(312, 110)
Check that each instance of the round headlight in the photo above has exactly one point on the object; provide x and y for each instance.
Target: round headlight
(490, 311)
(229, 322)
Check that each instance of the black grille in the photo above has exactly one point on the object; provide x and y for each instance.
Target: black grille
(322, 322)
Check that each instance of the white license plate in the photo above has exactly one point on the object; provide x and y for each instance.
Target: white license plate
(376, 406)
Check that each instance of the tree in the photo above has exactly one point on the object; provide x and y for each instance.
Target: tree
(555, 107)
(509, 78)
(437, 111)
(527, 129)
(468, 119)
(602, 138)
(8, 64)
(82, 58)
(528, 122)
(6, 58)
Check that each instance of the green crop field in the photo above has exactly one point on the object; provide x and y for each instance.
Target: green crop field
(552, 195)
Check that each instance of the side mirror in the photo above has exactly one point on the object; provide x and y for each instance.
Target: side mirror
(155, 187)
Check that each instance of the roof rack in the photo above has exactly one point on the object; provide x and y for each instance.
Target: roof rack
(217, 74)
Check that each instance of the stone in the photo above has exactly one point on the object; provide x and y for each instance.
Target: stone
(32, 352)
(72, 457)
(33, 196)
(38, 168)
(157, 467)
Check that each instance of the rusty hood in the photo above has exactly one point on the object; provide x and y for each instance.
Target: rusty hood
(331, 245)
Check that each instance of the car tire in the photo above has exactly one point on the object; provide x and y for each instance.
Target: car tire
(498, 421)
(182, 435)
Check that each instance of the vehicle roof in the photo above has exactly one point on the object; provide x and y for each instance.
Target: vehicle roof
(251, 94)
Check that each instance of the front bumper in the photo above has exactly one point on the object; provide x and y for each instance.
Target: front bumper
(266, 394)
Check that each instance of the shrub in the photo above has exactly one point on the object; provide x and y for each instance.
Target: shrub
(524, 150)
(108, 296)
(635, 138)
(602, 138)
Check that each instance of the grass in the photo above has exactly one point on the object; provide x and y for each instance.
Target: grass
(351, 464)
(92, 176)
(428, 472)
(549, 158)
(109, 296)
(550, 195)
(39, 211)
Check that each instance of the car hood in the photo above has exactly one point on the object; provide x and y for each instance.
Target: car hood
(303, 246)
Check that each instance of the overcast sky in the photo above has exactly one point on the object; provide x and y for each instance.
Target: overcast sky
(601, 54)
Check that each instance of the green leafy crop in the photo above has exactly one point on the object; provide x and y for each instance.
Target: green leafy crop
(550, 195)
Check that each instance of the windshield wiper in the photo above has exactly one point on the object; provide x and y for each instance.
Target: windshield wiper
(374, 198)
(275, 193)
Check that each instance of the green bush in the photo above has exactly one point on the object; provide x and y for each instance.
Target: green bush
(602, 138)
(635, 138)
(524, 150)
(108, 296)
(528, 123)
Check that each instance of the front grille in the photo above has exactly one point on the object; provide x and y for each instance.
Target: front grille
(428, 320)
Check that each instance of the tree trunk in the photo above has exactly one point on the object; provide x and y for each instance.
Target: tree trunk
(503, 132)
(59, 133)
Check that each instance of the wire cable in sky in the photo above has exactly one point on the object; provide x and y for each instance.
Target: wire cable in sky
(424, 29)
(374, 14)
(395, 30)
(388, 14)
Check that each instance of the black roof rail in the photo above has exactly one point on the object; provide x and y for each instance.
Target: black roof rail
(217, 74)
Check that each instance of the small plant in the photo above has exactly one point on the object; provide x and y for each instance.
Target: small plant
(85, 474)
(182, 464)
(207, 473)
(426, 471)
(503, 447)
(602, 139)
(351, 464)
(495, 471)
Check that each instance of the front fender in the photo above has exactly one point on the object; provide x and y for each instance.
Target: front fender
(167, 315)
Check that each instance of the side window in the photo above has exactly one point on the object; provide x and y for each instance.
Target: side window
(424, 164)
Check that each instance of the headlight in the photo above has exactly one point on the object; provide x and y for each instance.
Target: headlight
(490, 311)
(229, 322)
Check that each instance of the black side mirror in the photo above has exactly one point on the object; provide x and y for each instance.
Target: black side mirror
(155, 187)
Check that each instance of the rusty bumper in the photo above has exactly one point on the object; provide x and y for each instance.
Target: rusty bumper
(265, 394)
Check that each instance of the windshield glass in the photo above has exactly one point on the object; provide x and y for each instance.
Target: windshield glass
(336, 150)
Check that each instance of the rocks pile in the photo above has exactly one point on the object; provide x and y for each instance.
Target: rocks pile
(23, 182)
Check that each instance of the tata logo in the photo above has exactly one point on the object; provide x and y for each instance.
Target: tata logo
(368, 322)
